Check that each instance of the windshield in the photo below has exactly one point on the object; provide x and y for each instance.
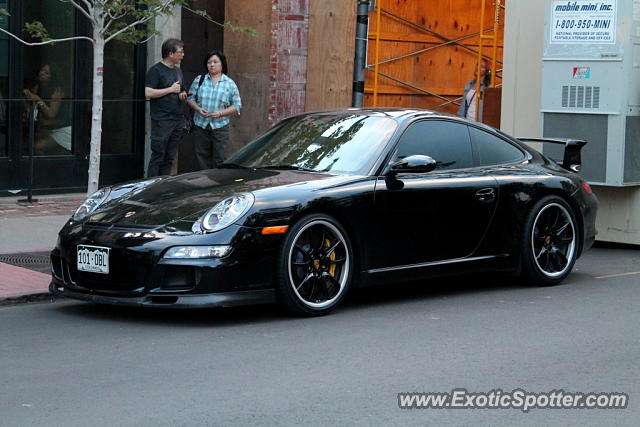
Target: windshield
(336, 143)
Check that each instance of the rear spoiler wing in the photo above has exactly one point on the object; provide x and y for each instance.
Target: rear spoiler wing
(571, 160)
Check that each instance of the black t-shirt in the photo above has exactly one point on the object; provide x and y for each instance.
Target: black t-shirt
(168, 107)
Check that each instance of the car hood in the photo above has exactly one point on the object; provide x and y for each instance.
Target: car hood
(184, 198)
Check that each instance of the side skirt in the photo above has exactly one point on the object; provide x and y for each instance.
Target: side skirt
(450, 267)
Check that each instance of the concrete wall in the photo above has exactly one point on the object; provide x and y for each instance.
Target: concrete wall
(619, 213)
(522, 76)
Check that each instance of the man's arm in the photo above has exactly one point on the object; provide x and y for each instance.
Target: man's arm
(158, 93)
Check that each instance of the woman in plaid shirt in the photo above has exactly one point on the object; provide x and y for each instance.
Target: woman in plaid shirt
(214, 97)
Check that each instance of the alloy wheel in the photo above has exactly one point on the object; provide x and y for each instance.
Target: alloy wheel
(553, 240)
(319, 264)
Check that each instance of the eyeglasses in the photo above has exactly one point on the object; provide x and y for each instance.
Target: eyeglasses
(179, 52)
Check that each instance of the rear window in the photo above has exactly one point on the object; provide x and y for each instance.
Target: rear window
(493, 150)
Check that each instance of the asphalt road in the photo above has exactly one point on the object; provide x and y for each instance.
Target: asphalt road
(72, 363)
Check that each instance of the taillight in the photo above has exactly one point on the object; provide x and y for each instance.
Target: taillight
(585, 186)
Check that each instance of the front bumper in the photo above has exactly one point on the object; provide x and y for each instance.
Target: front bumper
(164, 300)
(140, 276)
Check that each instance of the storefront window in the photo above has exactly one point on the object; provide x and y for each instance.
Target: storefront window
(49, 79)
(4, 84)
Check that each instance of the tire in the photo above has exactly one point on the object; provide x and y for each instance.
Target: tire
(549, 243)
(315, 266)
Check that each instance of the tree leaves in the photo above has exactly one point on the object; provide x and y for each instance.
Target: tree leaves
(131, 20)
(228, 24)
(248, 30)
(37, 30)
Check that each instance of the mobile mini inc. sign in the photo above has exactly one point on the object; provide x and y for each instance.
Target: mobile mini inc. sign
(583, 21)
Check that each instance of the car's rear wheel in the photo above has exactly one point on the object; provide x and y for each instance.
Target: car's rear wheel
(315, 266)
(550, 242)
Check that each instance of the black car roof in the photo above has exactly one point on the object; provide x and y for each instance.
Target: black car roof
(399, 114)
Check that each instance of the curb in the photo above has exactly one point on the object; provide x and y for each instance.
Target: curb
(44, 198)
(28, 297)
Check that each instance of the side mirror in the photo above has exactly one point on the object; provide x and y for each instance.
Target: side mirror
(414, 164)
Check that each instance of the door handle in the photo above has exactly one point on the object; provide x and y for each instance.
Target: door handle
(486, 194)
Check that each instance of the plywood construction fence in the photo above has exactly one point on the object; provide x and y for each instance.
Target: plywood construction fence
(426, 51)
(332, 32)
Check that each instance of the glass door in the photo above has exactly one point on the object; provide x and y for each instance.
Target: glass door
(48, 82)
(57, 79)
(4, 96)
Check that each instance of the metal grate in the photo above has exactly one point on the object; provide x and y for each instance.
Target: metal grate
(580, 97)
(38, 261)
(565, 96)
(572, 96)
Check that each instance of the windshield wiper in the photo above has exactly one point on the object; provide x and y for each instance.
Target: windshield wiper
(289, 167)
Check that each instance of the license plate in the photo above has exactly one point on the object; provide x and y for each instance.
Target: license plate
(94, 259)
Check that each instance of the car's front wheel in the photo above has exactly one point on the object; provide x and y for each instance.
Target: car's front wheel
(315, 266)
(550, 242)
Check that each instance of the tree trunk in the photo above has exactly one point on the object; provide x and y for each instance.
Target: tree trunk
(96, 110)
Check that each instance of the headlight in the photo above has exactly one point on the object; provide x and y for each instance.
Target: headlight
(92, 203)
(227, 212)
(191, 252)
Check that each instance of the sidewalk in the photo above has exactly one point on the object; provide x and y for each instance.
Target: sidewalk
(28, 232)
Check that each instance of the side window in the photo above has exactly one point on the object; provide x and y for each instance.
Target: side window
(446, 142)
(493, 150)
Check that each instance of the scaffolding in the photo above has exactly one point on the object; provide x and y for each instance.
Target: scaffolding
(483, 36)
(492, 37)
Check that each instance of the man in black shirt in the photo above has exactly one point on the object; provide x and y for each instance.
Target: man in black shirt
(164, 86)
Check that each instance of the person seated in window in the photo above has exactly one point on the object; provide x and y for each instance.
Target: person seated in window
(54, 129)
(30, 89)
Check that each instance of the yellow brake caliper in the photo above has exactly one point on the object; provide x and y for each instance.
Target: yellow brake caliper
(332, 257)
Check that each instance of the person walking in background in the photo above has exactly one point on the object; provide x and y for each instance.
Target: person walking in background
(214, 97)
(469, 103)
(164, 87)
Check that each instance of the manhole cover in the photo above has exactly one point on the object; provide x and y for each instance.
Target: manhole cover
(38, 261)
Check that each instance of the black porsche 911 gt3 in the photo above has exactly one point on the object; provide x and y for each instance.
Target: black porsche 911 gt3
(328, 200)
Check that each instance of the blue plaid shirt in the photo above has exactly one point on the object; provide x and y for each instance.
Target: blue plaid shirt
(214, 98)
